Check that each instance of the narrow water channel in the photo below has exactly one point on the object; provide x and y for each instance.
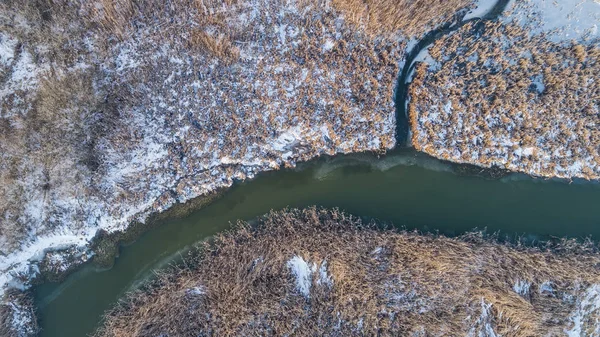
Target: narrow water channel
(404, 187)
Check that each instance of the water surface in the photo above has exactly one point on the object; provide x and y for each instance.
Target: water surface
(405, 188)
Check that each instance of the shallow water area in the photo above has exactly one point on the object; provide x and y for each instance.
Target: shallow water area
(408, 189)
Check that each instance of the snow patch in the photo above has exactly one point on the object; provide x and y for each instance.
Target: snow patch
(196, 291)
(560, 20)
(328, 45)
(7, 49)
(522, 287)
(304, 272)
(546, 288)
(585, 318)
(481, 9)
(22, 320)
(484, 327)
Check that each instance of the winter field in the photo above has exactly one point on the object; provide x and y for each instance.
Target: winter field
(520, 94)
(113, 110)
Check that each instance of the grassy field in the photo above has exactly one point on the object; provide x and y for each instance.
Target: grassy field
(323, 272)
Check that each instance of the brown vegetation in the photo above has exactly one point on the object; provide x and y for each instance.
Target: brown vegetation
(503, 98)
(85, 109)
(362, 281)
(410, 18)
(17, 316)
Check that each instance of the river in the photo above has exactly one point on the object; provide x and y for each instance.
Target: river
(403, 187)
(408, 189)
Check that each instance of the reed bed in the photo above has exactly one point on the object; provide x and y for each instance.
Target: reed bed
(361, 280)
(497, 96)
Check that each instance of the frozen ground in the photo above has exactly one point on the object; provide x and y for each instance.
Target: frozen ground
(519, 94)
(148, 127)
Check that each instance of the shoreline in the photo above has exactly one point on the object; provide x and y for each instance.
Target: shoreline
(560, 268)
(105, 246)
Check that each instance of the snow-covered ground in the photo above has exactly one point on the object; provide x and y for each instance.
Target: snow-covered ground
(175, 123)
(517, 94)
(557, 20)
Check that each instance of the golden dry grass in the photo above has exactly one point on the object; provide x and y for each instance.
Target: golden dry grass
(411, 18)
(491, 80)
(385, 283)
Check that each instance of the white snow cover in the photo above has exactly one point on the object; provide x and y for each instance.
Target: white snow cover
(586, 317)
(481, 9)
(522, 287)
(7, 49)
(196, 291)
(560, 20)
(22, 319)
(24, 74)
(173, 144)
(546, 287)
(483, 326)
(304, 273)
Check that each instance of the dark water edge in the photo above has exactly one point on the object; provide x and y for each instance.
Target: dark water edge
(406, 188)
(403, 83)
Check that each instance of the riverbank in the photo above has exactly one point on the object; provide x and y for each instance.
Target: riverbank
(518, 94)
(232, 91)
(295, 268)
(404, 187)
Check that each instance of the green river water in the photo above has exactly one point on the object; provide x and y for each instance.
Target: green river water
(405, 188)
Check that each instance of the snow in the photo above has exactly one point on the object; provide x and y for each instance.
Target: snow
(7, 49)
(328, 45)
(126, 59)
(522, 287)
(24, 75)
(481, 9)
(425, 57)
(587, 307)
(302, 273)
(560, 20)
(483, 327)
(22, 320)
(196, 291)
(538, 82)
(546, 287)
(287, 139)
(324, 278)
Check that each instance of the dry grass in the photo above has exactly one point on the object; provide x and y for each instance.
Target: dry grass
(384, 283)
(409, 17)
(219, 46)
(490, 77)
(81, 108)
(17, 316)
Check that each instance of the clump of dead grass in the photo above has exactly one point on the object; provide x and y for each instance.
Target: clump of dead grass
(383, 283)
